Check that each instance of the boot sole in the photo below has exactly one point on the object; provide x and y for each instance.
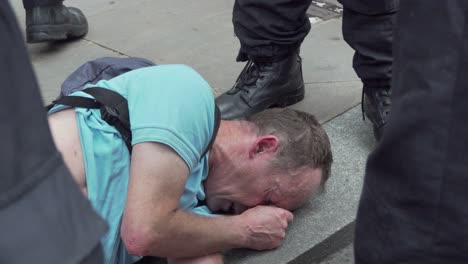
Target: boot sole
(44, 33)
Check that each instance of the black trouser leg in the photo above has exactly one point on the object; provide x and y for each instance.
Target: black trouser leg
(368, 29)
(96, 256)
(270, 29)
(44, 217)
(413, 207)
(28, 4)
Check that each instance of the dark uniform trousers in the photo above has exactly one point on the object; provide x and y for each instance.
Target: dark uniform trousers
(270, 30)
(44, 217)
(28, 4)
(414, 204)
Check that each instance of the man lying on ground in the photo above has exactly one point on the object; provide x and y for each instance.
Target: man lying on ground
(258, 170)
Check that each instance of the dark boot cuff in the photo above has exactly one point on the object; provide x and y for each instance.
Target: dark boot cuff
(32, 4)
(267, 54)
(376, 82)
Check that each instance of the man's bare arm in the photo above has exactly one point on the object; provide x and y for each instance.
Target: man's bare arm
(154, 226)
(210, 259)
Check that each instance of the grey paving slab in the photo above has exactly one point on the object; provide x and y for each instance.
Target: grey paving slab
(89, 7)
(334, 211)
(325, 55)
(329, 99)
(198, 33)
(324, 10)
(344, 256)
(54, 62)
(17, 6)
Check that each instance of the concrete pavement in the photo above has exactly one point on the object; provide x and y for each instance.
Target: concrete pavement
(344, 256)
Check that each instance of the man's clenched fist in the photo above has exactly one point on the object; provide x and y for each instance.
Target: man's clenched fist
(265, 226)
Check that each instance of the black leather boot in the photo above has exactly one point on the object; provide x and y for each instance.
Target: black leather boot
(55, 22)
(376, 105)
(263, 85)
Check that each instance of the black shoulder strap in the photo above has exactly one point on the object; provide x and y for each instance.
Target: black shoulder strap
(75, 101)
(217, 122)
(114, 110)
(112, 100)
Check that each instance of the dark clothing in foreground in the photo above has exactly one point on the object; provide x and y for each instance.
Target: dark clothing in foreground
(414, 205)
(270, 30)
(44, 217)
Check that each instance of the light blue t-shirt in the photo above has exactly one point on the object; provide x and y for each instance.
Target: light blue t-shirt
(169, 104)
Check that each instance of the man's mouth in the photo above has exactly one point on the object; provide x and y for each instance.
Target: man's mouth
(228, 209)
(231, 209)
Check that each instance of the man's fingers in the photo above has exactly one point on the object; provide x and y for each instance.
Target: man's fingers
(289, 216)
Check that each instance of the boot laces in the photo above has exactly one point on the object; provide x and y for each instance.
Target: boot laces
(249, 76)
(383, 95)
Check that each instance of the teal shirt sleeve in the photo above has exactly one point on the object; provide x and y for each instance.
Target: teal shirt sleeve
(172, 105)
(203, 211)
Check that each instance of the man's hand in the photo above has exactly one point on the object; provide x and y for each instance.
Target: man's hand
(265, 226)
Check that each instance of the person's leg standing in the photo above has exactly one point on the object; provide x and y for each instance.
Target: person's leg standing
(29, 4)
(368, 29)
(413, 207)
(49, 20)
(270, 33)
(44, 217)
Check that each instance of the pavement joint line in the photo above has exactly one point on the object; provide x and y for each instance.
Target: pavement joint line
(332, 244)
(108, 48)
(340, 114)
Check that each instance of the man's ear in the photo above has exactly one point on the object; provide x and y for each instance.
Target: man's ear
(265, 144)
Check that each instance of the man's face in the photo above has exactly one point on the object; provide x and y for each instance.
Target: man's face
(233, 191)
(252, 181)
